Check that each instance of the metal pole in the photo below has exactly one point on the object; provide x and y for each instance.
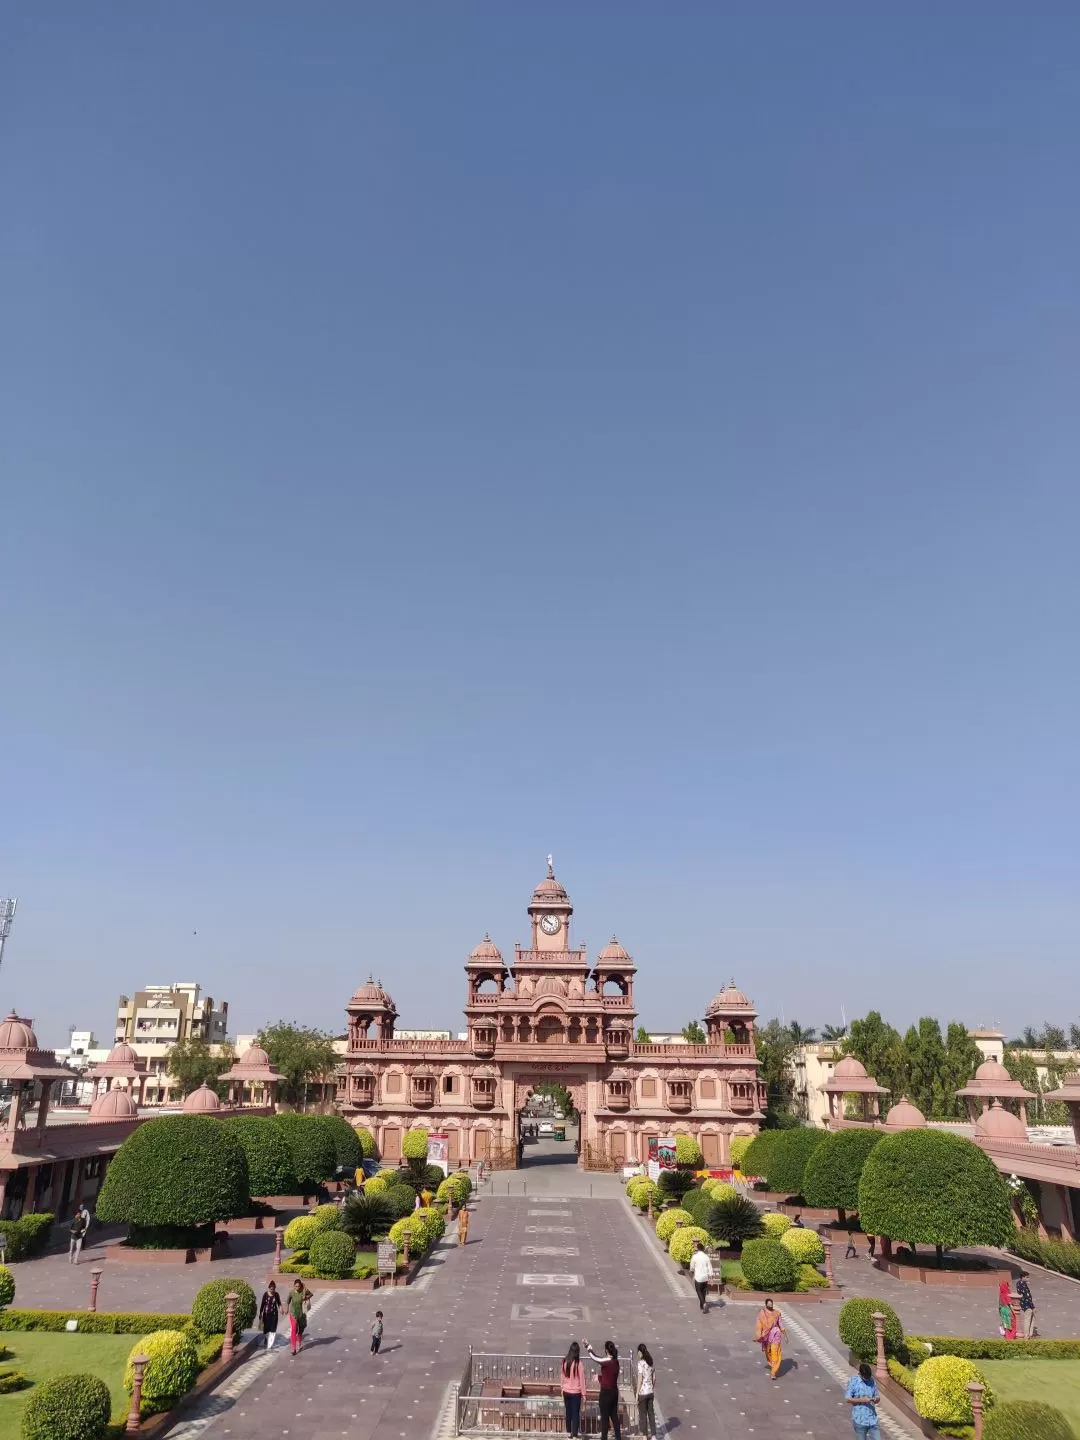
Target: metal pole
(7, 915)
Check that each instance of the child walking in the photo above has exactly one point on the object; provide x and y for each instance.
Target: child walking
(376, 1332)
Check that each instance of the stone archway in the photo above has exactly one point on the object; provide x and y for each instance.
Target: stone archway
(575, 1082)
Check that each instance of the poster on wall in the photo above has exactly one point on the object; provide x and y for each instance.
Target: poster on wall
(661, 1155)
(438, 1150)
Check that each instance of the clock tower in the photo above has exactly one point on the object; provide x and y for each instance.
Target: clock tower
(549, 914)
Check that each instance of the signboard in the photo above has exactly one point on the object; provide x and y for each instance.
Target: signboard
(387, 1257)
(438, 1150)
(661, 1155)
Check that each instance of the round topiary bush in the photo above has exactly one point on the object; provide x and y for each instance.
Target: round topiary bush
(268, 1159)
(832, 1174)
(173, 1367)
(738, 1148)
(402, 1199)
(299, 1233)
(857, 1328)
(719, 1189)
(414, 1143)
(687, 1152)
(933, 1188)
(1026, 1420)
(417, 1232)
(681, 1244)
(669, 1222)
(182, 1170)
(804, 1245)
(311, 1150)
(775, 1224)
(367, 1142)
(464, 1177)
(696, 1201)
(208, 1308)
(327, 1217)
(377, 1185)
(941, 1390)
(646, 1191)
(332, 1255)
(348, 1152)
(787, 1159)
(808, 1278)
(768, 1265)
(447, 1191)
(7, 1286)
(758, 1153)
(67, 1407)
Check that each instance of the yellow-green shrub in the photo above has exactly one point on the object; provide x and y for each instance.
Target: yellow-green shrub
(805, 1245)
(669, 1222)
(681, 1245)
(941, 1395)
(173, 1367)
(300, 1232)
(775, 1223)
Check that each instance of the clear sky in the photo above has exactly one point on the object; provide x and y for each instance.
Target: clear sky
(435, 435)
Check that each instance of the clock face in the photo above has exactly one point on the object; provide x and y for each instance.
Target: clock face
(550, 924)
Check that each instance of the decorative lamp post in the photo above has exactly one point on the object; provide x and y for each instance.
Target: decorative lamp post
(881, 1369)
(95, 1281)
(407, 1237)
(279, 1234)
(230, 1322)
(650, 1206)
(138, 1365)
(828, 1264)
(975, 1390)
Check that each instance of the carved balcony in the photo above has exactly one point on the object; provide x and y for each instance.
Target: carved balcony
(680, 1096)
(618, 1099)
(618, 1044)
(483, 1094)
(483, 1040)
(363, 1092)
(422, 1093)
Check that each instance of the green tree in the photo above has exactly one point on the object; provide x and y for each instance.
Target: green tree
(692, 1033)
(301, 1053)
(1022, 1065)
(923, 1065)
(641, 1035)
(881, 1051)
(834, 1032)
(962, 1058)
(801, 1034)
(1053, 1037)
(192, 1064)
(183, 1170)
(832, 1174)
(774, 1048)
(788, 1158)
(560, 1095)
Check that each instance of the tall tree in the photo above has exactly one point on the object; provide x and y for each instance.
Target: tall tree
(834, 1032)
(1053, 1037)
(881, 1051)
(693, 1033)
(774, 1048)
(924, 1065)
(1074, 1035)
(641, 1035)
(191, 1063)
(801, 1034)
(962, 1058)
(303, 1055)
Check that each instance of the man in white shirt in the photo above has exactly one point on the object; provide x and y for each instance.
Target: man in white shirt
(701, 1274)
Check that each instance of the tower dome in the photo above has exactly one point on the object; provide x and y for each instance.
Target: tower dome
(486, 953)
(730, 1001)
(122, 1054)
(905, 1116)
(549, 892)
(16, 1034)
(372, 996)
(613, 953)
(115, 1104)
(997, 1123)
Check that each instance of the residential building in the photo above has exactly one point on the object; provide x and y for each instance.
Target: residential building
(153, 1020)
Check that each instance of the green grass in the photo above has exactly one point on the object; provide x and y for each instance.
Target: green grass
(1054, 1382)
(42, 1355)
(731, 1269)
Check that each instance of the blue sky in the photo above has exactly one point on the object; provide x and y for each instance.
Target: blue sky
(433, 436)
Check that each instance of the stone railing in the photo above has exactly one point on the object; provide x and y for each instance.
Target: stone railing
(715, 1051)
(415, 1047)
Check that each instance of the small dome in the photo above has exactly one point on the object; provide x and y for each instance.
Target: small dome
(254, 1056)
(850, 1069)
(549, 891)
(202, 1099)
(905, 1116)
(992, 1072)
(15, 1034)
(122, 1054)
(372, 996)
(613, 951)
(487, 952)
(115, 1104)
(1000, 1124)
(730, 998)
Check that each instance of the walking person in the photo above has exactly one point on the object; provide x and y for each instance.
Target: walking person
(269, 1310)
(701, 1274)
(1027, 1307)
(463, 1225)
(609, 1388)
(645, 1387)
(851, 1253)
(299, 1301)
(572, 1381)
(1006, 1313)
(863, 1396)
(77, 1234)
(871, 1244)
(376, 1332)
(769, 1332)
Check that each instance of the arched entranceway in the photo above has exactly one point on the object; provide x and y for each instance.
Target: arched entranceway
(549, 1118)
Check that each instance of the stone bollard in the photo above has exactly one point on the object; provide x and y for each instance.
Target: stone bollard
(828, 1264)
(95, 1281)
(650, 1207)
(407, 1237)
(279, 1235)
(975, 1390)
(230, 1324)
(138, 1365)
(881, 1369)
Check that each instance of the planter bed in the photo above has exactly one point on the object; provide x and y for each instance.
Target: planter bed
(155, 1425)
(930, 1274)
(808, 1213)
(126, 1254)
(729, 1292)
(373, 1282)
(246, 1223)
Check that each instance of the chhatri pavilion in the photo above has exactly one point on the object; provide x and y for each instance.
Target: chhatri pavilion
(551, 1014)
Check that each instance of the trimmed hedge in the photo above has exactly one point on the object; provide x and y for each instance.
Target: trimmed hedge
(669, 1222)
(687, 1152)
(97, 1322)
(941, 1388)
(433, 1219)
(1060, 1255)
(348, 1151)
(67, 1407)
(719, 1189)
(1026, 1420)
(208, 1307)
(29, 1235)
(933, 1188)
(788, 1157)
(696, 1202)
(807, 1277)
(644, 1192)
(417, 1232)
(7, 1286)
(332, 1255)
(834, 1168)
(740, 1144)
(999, 1349)
(776, 1224)
(857, 1328)
(367, 1142)
(173, 1367)
(268, 1157)
(805, 1245)
(681, 1245)
(759, 1152)
(414, 1143)
(311, 1149)
(184, 1170)
(12, 1380)
(768, 1266)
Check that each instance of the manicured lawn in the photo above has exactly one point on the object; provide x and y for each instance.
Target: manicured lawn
(731, 1269)
(1054, 1382)
(42, 1355)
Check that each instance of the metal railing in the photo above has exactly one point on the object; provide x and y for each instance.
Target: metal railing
(496, 1413)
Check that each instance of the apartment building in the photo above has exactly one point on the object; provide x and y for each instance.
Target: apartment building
(153, 1020)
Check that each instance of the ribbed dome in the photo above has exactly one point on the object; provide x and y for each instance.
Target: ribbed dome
(202, 1099)
(122, 1054)
(115, 1104)
(254, 1056)
(730, 998)
(1000, 1124)
(15, 1034)
(549, 891)
(992, 1071)
(613, 951)
(850, 1069)
(373, 997)
(487, 952)
(905, 1116)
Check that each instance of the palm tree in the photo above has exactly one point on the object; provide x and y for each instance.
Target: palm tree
(364, 1215)
(733, 1220)
(801, 1035)
(834, 1032)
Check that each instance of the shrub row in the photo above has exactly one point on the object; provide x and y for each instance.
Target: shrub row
(27, 1236)
(998, 1349)
(98, 1322)
(1060, 1255)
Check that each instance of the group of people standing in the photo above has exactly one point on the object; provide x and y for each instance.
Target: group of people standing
(572, 1381)
(296, 1307)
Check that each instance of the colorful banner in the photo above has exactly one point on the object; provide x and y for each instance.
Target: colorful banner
(438, 1150)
